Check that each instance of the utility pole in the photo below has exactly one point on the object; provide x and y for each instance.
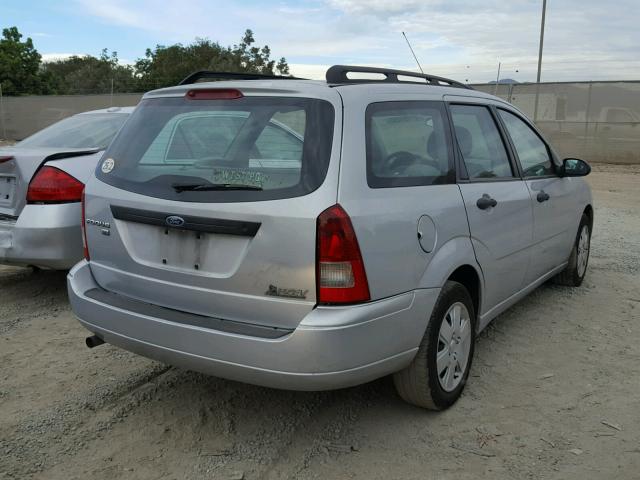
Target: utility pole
(544, 13)
(495, 91)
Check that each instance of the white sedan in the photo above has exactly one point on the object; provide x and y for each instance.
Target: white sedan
(41, 183)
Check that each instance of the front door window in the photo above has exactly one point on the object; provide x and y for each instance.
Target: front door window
(481, 146)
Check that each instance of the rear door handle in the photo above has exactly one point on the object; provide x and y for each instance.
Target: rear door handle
(542, 196)
(485, 202)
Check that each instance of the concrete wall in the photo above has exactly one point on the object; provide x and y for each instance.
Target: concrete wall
(22, 116)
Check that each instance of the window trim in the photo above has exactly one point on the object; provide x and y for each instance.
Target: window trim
(375, 182)
(462, 169)
(526, 121)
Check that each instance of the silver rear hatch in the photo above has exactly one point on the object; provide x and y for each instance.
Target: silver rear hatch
(208, 205)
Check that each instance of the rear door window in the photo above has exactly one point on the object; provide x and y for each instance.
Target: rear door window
(408, 144)
(253, 148)
(480, 144)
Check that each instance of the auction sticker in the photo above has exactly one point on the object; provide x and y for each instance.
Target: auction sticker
(108, 165)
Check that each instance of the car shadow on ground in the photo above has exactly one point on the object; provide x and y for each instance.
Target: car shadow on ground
(25, 277)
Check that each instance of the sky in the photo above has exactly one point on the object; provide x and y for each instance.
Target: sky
(460, 39)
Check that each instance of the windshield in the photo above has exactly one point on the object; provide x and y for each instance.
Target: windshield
(251, 148)
(91, 130)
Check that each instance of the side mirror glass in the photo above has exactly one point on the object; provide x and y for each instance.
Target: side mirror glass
(574, 167)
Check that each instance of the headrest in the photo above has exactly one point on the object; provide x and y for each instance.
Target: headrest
(465, 141)
(436, 147)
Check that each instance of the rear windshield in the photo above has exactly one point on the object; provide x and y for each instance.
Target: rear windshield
(91, 130)
(246, 149)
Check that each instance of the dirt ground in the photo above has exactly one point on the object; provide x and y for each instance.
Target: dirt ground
(554, 392)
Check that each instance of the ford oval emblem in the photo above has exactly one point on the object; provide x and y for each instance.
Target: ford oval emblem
(174, 221)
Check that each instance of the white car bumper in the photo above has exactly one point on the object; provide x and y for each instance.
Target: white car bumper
(46, 236)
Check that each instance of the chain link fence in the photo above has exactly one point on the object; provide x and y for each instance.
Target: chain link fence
(595, 121)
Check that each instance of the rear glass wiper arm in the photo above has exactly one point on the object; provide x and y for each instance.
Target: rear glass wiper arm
(207, 187)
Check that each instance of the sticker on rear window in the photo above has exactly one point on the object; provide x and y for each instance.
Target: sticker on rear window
(239, 176)
(108, 165)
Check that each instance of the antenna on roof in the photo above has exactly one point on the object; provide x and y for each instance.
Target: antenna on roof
(412, 52)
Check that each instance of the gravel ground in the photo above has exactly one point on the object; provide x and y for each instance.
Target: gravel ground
(554, 392)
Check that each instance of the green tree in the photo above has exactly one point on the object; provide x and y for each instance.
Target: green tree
(19, 64)
(87, 74)
(166, 66)
(22, 72)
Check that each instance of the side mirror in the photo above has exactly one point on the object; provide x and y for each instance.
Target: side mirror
(574, 167)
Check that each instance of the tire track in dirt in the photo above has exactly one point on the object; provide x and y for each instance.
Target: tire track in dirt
(328, 432)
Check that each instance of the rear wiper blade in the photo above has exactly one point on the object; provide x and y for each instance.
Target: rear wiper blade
(208, 187)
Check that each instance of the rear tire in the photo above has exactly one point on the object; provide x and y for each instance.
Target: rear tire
(574, 274)
(438, 373)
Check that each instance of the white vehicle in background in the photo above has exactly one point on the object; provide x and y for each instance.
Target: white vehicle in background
(41, 183)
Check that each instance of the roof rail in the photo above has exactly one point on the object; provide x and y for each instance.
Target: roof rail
(338, 74)
(209, 75)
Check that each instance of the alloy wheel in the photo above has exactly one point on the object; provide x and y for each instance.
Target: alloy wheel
(454, 346)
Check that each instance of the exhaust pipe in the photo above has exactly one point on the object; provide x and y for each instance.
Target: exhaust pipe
(93, 341)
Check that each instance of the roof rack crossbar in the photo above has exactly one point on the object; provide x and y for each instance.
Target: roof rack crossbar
(338, 74)
(210, 75)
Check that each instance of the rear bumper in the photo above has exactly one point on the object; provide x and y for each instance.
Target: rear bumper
(333, 347)
(47, 236)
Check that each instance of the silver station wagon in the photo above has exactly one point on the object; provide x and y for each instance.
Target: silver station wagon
(314, 235)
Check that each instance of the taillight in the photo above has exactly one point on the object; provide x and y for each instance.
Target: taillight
(52, 185)
(85, 246)
(6, 158)
(214, 94)
(340, 273)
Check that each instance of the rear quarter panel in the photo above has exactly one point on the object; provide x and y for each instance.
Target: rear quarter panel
(386, 219)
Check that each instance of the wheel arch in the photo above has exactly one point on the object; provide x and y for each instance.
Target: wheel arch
(456, 260)
(469, 278)
(588, 211)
